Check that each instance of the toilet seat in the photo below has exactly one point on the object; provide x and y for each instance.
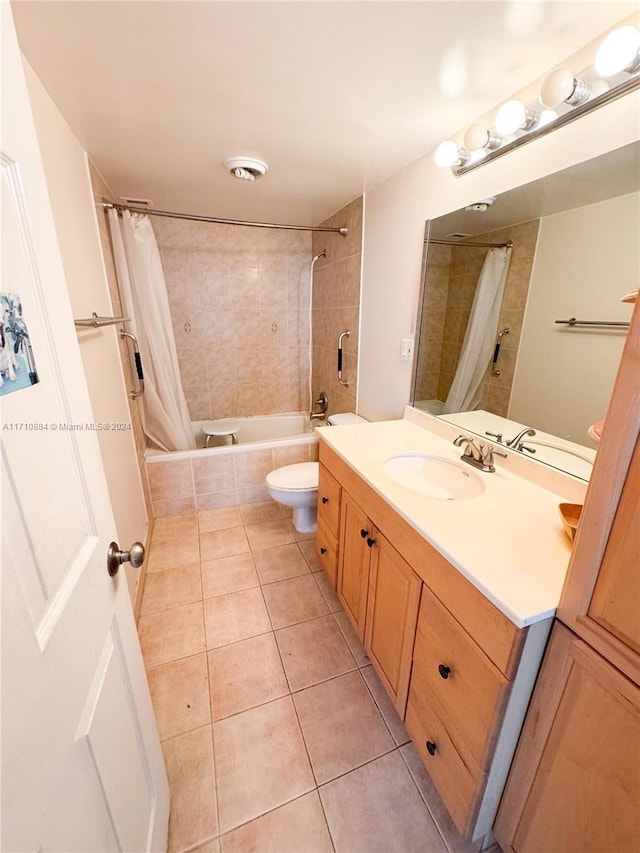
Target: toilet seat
(301, 476)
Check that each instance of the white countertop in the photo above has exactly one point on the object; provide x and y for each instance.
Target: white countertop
(508, 542)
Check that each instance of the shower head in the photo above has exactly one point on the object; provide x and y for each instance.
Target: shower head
(322, 254)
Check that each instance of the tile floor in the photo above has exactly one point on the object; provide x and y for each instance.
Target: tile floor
(278, 736)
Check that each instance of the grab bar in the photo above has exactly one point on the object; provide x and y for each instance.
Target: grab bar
(138, 363)
(340, 339)
(496, 351)
(615, 324)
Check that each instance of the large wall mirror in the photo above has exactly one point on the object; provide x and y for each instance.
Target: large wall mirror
(498, 275)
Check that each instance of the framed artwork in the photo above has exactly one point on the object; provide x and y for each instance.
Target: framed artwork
(17, 364)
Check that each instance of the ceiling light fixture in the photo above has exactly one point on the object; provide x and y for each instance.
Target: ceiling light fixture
(246, 168)
(564, 96)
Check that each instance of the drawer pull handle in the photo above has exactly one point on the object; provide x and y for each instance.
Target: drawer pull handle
(371, 542)
(364, 533)
(323, 550)
(431, 747)
(445, 671)
(325, 500)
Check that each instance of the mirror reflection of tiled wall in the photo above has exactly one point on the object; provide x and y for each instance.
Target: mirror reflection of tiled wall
(453, 275)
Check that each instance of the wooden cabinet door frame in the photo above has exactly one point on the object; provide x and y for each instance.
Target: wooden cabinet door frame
(539, 743)
(354, 561)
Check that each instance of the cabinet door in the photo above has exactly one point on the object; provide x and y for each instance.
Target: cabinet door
(356, 541)
(392, 612)
(575, 781)
(329, 501)
(616, 597)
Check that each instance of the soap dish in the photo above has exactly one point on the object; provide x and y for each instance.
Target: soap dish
(570, 517)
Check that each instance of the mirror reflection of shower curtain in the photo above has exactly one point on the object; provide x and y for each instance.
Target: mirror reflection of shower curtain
(479, 339)
(164, 411)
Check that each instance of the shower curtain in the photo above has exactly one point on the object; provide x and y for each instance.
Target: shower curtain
(164, 412)
(479, 339)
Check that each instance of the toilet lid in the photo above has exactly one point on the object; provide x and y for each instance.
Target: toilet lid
(302, 475)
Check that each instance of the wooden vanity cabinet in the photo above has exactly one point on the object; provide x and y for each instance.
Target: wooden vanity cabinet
(445, 654)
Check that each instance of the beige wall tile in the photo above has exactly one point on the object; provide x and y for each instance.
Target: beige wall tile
(213, 473)
(170, 480)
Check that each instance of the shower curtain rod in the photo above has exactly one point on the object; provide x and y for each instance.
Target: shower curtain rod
(507, 245)
(172, 215)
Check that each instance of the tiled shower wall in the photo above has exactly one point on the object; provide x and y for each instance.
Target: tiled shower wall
(102, 193)
(336, 307)
(453, 277)
(239, 300)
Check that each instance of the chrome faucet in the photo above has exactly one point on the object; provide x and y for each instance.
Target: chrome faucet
(517, 443)
(478, 455)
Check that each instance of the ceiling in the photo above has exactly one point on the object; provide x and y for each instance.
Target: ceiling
(334, 96)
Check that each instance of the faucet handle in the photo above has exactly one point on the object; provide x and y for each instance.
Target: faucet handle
(488, 452)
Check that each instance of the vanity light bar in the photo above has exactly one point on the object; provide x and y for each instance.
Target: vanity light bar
(482, 145)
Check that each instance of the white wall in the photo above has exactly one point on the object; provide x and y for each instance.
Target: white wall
(395, 214)
(67, 174)
(564, 377)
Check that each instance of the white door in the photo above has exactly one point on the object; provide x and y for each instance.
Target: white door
(82, 767)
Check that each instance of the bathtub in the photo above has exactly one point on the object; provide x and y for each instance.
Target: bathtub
(188, 481)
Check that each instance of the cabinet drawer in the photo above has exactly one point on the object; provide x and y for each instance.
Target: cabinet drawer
(455, 774)
(468, 687)
(329, 501)
(327, 548)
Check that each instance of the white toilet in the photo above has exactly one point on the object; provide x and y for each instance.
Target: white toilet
(297, 485)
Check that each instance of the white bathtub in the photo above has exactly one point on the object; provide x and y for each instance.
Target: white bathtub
(188, 481)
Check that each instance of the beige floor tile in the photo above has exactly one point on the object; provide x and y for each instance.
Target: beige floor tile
(212, 846)
(257, 513)
(173, 553)
(277, 564)
(223, 543)
(297, 827)
(313, 651)
(189, 762)
(245, 674)
(303, 537)
(342, 726)
(308, 549)
(171, 634)
(269, 534)
(327, 590)
(171, 588)
(261, 762)
(235, 616)
(219, 519)
(439, 812)
(294, 600)
(353, 641)
(228, 574)
(180, 695)
(386, 706)
(377, 809)
(174, 527)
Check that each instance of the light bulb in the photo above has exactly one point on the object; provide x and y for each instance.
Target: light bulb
(561, 87)
(513, 116)
(477, 137)
(447, 154)
(546, 117)
(620, 51)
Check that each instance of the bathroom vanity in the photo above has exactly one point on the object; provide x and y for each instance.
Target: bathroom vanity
(453, 599)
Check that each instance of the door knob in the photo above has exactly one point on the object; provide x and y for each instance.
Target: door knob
(116, 557)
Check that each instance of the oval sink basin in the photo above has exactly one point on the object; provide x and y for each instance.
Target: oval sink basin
(434, 476)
